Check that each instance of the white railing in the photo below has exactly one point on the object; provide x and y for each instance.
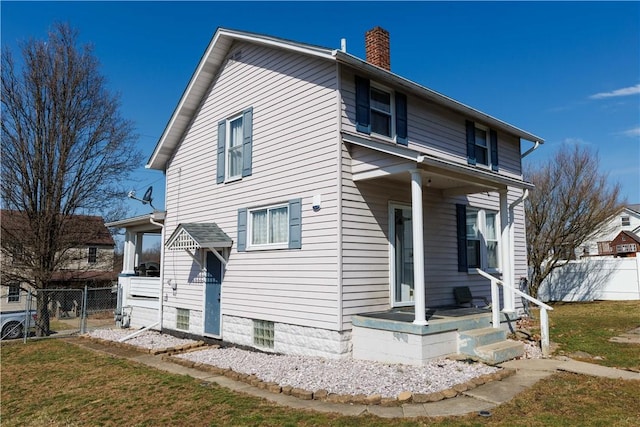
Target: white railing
(495, 308)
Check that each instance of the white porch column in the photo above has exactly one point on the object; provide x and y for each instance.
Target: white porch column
(418, 248)
(138, 249)
(505, 249)
(128, 257)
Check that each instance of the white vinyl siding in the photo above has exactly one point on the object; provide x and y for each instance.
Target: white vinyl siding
(294, 124)
(434, 130)
(366, 277)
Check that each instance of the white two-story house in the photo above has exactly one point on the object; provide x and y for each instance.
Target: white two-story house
(317, 203)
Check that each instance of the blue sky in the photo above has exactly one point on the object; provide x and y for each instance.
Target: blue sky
(566, 71)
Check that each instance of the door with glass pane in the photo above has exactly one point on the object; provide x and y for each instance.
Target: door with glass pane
(402, 234)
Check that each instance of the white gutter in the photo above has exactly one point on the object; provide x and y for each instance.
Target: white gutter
(530, 150)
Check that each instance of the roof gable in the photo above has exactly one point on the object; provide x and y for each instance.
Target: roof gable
(216, 54)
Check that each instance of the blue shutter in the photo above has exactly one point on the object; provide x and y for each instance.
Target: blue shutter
(247, 141)
(401, 119)
(222, 138)
(493, 140)
(295, 224)
(461, 228)
(242, 229)
(471, 142)
(363, 119)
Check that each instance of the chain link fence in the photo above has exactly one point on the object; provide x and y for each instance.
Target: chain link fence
(49, 312)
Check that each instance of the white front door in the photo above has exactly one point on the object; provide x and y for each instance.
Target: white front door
(401, 236)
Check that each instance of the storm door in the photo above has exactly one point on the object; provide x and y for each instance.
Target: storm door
(402, 253)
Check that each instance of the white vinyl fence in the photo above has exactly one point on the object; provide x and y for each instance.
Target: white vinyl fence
(591, 279)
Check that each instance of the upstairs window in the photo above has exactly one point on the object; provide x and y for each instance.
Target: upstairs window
(626, 221)
(380, 111)
(235, 146)
(482, 145)
(93, 255)
(234, 149)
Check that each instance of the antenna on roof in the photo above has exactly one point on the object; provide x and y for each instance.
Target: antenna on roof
(145, 199)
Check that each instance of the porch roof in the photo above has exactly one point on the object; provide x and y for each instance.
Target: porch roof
(192, 236)
(474, 179)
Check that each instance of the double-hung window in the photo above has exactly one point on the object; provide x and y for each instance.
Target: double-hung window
(235, 146)
(14, 293)
(477, 239)
(380, 111)
(482, 145)
(269, 226)
(93, 255)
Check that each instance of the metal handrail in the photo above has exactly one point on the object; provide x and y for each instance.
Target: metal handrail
(544, 317)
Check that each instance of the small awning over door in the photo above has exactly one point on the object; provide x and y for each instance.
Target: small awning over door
(194, 236)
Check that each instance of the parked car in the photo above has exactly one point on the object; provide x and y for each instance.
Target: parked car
(13, 323)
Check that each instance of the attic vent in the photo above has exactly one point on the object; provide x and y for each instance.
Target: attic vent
(236, 56)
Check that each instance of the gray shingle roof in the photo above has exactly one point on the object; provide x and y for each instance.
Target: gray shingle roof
(203, 235)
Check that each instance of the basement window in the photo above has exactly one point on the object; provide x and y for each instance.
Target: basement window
(263, 333)
(182, 319)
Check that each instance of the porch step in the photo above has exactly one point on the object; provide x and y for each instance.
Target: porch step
(469, 341)
(500, 352)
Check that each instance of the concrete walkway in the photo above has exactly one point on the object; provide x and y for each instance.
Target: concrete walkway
(482, 398)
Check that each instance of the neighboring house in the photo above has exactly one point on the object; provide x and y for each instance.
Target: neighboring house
(307, 188)
(628, 220)
(88, 261)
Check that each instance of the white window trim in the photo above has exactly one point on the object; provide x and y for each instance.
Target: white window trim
(95, 260)
(481, 223)
(227, 141)
(392, 99)
(266, 246)
(9, 294)
(488, 147)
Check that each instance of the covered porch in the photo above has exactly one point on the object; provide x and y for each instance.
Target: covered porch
(140, 282)
(417, 327)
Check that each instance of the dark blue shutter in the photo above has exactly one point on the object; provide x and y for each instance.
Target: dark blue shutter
(295, 224)
(222, 138)
(493, 140)
(247, 141)
(461, 228)
(471, 142)
(363, 119)
(401, 119)
(242, 230)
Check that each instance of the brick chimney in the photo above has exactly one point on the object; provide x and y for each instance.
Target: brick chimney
(376, 43)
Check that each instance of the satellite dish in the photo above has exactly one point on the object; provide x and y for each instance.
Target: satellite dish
(145, 199)
(147, 196)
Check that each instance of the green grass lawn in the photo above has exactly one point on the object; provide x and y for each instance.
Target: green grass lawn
(587, 327)
(55, 383)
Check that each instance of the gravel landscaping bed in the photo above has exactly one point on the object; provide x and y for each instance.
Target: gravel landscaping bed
(335, 376)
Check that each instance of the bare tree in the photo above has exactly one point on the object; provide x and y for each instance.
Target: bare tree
(65, 150)
(570, 201)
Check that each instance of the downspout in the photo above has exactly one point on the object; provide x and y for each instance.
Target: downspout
(339, 247)
(162, 251)
(512, 233)
(530, 150)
